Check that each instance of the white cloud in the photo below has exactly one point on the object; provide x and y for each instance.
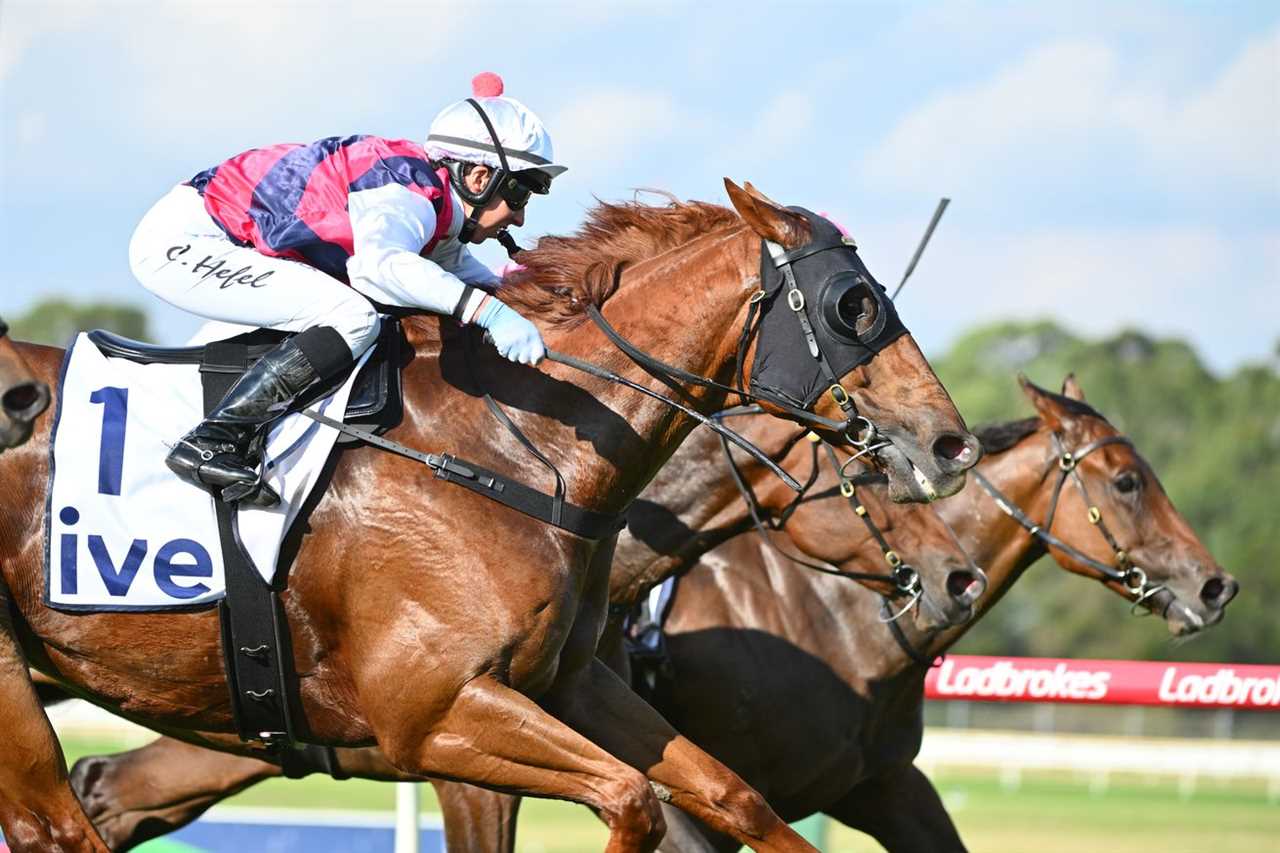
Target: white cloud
(1212, 287)
(31, 128)
(601, 129)
(187, 71)
(1232, 127)
(788, 116)
(23, 23)
(1050, 115)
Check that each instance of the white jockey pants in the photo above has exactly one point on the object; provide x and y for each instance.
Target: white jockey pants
(181, 255)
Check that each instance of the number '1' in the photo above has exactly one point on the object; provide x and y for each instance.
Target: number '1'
(115, 408)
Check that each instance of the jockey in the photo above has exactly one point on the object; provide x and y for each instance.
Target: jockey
(308, 238)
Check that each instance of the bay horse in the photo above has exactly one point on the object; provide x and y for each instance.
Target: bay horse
(691, 506)
(22, 397)
(496, 633)
(740, 652)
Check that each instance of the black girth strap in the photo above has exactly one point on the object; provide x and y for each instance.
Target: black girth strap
(496, 487)
(254, 631)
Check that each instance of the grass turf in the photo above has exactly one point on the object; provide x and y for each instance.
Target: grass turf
(1045, 814)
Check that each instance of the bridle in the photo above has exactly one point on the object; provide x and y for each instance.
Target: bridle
(903, 577)
(858, 430)
(1123, 571)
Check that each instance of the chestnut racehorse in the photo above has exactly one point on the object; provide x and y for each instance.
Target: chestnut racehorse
(691, 506)
(22, 398)
(481, 609)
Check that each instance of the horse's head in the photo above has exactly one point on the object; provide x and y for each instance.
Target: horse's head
(906, 554)
(1111, 509)
(829, 341)
(22, 398)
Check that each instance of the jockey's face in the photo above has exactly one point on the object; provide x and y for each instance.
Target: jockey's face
(496, 215)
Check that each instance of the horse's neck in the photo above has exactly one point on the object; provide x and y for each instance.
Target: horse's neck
(833, 619)
(607, 440)
(692, 506)
(997, 543)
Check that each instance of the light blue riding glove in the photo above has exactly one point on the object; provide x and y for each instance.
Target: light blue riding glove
(514, 336)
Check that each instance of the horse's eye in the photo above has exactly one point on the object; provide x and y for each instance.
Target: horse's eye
(858, 309)
(1127, 483)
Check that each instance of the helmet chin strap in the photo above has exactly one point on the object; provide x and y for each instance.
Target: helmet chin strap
(469, 226)
(479, 201)
(509, 243)
(504, 236)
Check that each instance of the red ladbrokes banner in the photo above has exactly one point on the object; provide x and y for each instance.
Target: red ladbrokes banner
(1105, 682)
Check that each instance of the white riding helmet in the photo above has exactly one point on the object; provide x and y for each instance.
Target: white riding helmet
(459, 133)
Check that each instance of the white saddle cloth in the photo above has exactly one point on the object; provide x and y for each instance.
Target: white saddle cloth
(124, 533)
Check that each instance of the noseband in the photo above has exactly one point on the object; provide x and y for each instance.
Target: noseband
(1122, 571)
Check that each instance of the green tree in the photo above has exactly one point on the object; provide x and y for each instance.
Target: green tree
(55, 321)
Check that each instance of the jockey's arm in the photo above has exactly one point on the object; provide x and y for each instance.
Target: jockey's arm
(468, 267)
(389, 227)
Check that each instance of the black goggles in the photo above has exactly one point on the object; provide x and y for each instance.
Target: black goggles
(517, 187)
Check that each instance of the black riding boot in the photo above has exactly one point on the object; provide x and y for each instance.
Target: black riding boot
(225, 451)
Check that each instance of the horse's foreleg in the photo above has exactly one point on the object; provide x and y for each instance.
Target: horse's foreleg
(902, 810)
(494, 736)
(152, 790)
(38, 811)
(476, 820)
(597, 703)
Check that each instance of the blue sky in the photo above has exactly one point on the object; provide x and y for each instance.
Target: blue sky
(1110, 164)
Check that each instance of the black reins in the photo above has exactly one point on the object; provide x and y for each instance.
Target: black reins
(904, 577)
(1123, 571)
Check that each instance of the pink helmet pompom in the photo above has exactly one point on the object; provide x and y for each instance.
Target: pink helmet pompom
(486, 84)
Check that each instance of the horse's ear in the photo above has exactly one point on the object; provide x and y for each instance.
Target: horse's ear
(755, 193)
(1048, 408)
(769, 220)
(1071, 388)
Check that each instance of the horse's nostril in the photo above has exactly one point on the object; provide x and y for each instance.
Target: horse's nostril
(952, 448)
(20, 397)
(963, 585)
(1218, 591)
(25, 400)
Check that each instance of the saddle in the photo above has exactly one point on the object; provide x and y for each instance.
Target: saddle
(255, 639)
(375, 403)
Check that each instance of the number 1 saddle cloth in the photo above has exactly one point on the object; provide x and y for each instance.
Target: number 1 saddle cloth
(122, 531)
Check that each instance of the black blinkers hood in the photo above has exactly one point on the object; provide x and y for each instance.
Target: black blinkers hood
(850, 313)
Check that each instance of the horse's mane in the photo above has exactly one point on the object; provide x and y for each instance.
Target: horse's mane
(999, 437)
(563, 275)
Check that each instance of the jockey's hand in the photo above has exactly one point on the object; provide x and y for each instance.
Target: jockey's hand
(515, 337)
